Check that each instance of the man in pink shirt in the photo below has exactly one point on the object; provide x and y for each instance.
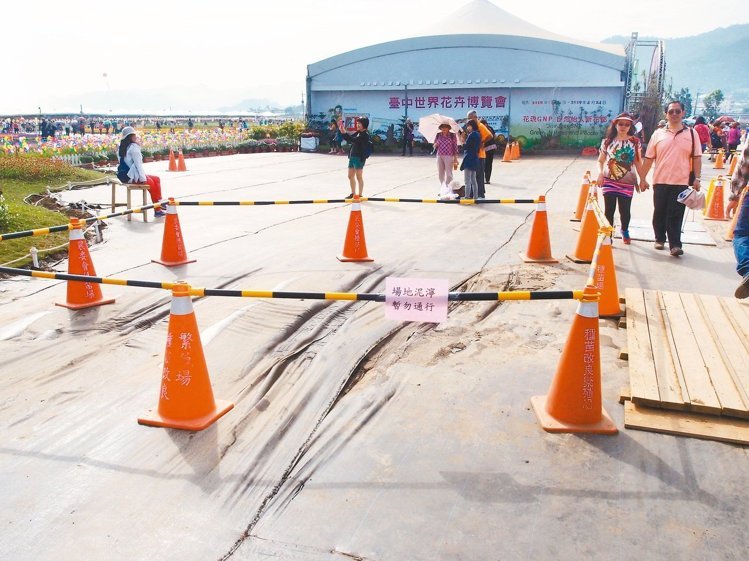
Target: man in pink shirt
(676, 151)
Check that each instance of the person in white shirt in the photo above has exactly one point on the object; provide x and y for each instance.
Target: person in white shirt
(130, 153)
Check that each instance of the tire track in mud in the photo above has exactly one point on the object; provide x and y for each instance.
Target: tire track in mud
(357, 372)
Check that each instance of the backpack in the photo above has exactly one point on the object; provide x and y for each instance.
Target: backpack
(368, 147)
(122, 171)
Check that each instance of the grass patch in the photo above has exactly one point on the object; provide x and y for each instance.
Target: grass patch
(21, 176)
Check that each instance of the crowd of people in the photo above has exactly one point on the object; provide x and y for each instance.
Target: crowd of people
(48, 127)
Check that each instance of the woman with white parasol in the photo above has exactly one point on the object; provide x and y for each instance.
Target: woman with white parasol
(441, 132)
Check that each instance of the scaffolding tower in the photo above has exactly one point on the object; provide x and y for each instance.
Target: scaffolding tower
(651, 84)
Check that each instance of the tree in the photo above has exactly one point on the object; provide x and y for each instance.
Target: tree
(685, 96)
(712, 103)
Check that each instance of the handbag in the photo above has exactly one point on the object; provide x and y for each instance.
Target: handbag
(692, 199)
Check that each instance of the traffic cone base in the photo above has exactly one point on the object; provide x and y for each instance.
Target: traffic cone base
(83, 306)
(186, 399)
(550, 424)
(152, 418)
(355, 244)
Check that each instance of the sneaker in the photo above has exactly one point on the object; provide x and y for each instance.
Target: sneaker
(159, 213)
(625, 237)
(349, 196)
(676, 251)
(743, 289)
(659, 245)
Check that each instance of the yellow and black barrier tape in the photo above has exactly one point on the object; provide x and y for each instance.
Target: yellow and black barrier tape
(360, 199)
(602, 235)
(66, 227)
(359, 296)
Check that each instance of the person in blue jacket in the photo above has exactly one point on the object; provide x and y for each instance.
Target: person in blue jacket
(470, 163)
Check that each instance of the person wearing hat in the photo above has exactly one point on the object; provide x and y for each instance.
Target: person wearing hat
(446, 147)
(677, 155)
(620, 170)
(130, 154)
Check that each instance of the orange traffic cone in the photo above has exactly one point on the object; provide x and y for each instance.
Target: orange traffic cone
(719, 160)
(172, 161)
(732, 225)
(185, 395)
(181, 162)
(586, 241)
(539, 245)
(173, 250)
(734, 161)
(355, 246)
(515, 151)
(573, 403)
(81, 295)
(715, 207)
(507, 157)
(582, 198)
(605, 278)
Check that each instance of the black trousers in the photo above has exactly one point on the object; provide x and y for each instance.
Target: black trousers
(625, 204)
(488, 165)
(480, 178)
(668, 213)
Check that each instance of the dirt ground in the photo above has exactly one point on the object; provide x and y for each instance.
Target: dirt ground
(352, 436)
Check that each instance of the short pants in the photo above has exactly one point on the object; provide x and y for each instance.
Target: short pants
(355, 162)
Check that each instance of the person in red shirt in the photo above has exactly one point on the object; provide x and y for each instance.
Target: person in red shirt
(702, 130)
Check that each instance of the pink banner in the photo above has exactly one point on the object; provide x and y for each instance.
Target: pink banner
(423, 300)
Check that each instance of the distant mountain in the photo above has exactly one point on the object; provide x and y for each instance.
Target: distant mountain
(710, 61)
(168, 100)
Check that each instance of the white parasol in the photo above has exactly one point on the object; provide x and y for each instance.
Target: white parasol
(429, 126)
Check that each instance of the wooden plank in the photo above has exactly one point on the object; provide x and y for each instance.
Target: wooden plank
(669, 386)
(642, 378)
(728, 395)
(738, 314)
(699, 387)
(683, 390)
(709, 427)
(625, 394)
(729, 344)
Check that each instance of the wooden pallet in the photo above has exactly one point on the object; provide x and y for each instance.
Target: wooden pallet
(688, 352)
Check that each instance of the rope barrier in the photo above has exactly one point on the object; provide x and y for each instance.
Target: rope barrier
(363, 296)
(361, 199)
(602, 234)
(66, 227)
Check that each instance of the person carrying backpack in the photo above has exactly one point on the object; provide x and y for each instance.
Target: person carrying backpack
(130, 168)
(361, 149)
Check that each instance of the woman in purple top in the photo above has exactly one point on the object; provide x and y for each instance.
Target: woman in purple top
(733, 137)
(620, 158)
(446, 147)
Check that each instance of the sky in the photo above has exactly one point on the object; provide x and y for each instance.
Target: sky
(60, 53)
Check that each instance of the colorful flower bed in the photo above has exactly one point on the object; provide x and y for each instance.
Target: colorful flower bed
(103, 147)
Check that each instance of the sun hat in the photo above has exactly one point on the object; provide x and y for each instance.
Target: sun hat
(444, 124)
(127, 131)
(624, 117)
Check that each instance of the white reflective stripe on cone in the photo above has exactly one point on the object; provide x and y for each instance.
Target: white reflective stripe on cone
(171, 209)
(588, 309)
(181, 305)
(355, 206)
(76, 234)
(541, 206)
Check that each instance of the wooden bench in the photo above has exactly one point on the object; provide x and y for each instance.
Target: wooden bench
(142, 187)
